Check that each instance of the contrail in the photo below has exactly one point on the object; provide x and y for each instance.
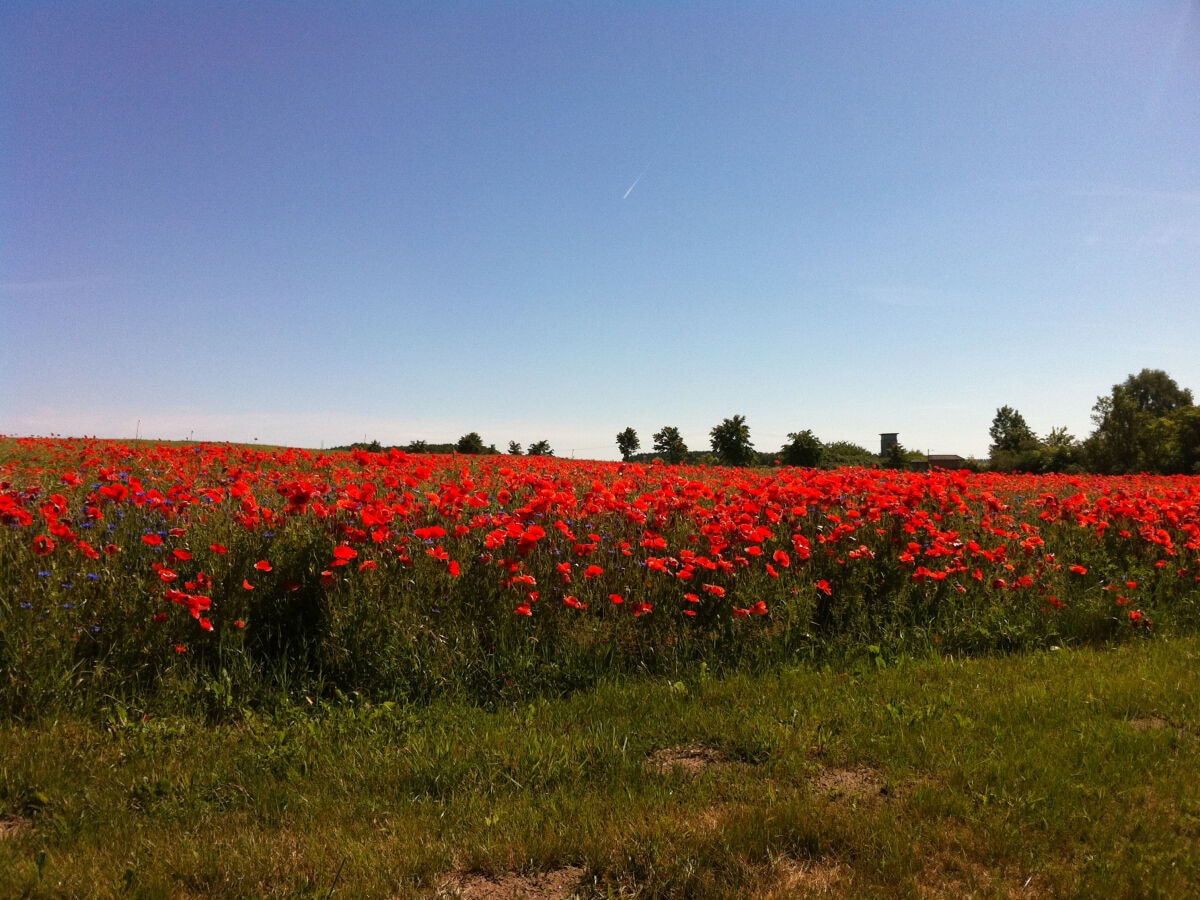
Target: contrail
(625, 196)
(653, 159)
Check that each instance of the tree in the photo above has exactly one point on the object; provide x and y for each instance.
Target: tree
(669, 445)
(418, 446)
(731, 442)
(1188, 421)
(803, 449)
(470, 443)
(1009, 431)
(1014, 445)
(896, 457)
(1143, 425)
(628, 443)
(843, 453)
(514, 449)
(540, 448)
(1155, 392)
(1059, 452)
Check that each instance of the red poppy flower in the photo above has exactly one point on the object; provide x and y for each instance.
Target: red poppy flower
(263, 566)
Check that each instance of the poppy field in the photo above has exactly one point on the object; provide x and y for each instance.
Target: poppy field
(158, 574)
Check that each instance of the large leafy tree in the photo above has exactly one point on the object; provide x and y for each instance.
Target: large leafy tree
(1145, 424)
(731, 442)
(669, 445)
(845, 453)
(514, 448)
(1059, 452)
(1014, 444)
(628, 443)
(539, 448)
(802, 449)
(1187, 420)
(470, 443)
(1009, 432)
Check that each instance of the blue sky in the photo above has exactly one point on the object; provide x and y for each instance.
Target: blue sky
(312, 223)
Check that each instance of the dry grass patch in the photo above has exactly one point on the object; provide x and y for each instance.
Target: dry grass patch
(810, 878)
(954, 869)
(965, 878)
(557, 884)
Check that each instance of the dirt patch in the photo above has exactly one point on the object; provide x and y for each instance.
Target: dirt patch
(692, 760)
(810, 878)
(1149, 723)
(11, 826)
(856, 783)
(557, 884)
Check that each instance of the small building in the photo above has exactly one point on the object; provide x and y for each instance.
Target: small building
(939, 461)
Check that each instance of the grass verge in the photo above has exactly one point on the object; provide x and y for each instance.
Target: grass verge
(1061, 773)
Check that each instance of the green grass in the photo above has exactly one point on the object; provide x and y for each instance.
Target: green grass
(1058, 773)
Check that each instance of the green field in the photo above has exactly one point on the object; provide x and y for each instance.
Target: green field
(1061, 773)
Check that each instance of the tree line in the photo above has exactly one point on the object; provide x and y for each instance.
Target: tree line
(1147, 423)
(730, 445)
